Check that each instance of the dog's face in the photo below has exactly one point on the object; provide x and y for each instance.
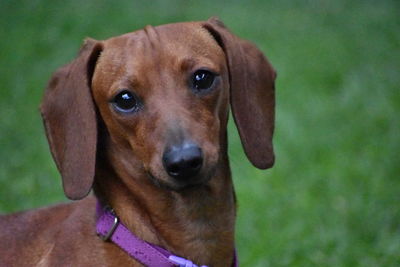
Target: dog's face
(160, 98)
(164, 100)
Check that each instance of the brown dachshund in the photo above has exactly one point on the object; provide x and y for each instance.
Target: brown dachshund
(142, 119)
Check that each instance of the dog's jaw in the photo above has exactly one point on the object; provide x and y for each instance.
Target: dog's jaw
(196, 223)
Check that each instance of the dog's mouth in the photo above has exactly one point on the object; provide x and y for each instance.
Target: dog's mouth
(178, 185)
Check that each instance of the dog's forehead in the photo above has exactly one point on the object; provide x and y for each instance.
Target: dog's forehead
(189, 35)
(162, 44)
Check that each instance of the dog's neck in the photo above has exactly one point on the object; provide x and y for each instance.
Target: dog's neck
(195, 223)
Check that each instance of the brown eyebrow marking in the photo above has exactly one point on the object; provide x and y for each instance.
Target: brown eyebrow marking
(187, 64)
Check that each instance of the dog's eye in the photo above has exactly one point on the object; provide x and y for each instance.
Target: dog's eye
(203, 79)
(125, 101)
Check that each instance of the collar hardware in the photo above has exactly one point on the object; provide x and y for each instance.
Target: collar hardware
(110, 232)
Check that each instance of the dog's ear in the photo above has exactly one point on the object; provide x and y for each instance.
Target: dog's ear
(69, 116)
(252, 93)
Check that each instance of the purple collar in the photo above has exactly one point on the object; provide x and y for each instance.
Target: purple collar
(109, 228)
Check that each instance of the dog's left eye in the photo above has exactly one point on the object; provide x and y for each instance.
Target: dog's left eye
(203, 80)
(125, 101)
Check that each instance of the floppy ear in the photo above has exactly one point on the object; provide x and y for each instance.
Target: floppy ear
(69, 116)
(252, 93)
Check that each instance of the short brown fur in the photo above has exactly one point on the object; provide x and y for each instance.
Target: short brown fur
(119, 155)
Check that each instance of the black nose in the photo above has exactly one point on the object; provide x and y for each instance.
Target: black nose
(183, 161)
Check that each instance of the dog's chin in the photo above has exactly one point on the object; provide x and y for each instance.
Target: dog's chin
(172, 184)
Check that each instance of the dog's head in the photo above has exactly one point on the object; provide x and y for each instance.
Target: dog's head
(161, 96)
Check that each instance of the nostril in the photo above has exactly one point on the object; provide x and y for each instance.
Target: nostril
(173, 168)
(183, 161)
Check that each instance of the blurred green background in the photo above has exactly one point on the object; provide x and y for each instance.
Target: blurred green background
(333, 197)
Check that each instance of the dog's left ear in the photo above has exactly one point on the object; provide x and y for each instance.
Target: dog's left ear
(252, 93)
(69, 116)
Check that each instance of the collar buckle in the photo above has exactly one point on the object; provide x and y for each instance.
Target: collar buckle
(110, 232)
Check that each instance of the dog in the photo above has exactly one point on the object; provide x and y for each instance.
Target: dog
(141, 119)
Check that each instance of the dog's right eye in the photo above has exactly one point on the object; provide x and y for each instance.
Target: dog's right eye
(125, 101)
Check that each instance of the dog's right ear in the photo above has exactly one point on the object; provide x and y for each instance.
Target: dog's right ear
(69, 116)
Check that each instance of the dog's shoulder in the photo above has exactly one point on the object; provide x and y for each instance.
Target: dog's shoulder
(36, 234)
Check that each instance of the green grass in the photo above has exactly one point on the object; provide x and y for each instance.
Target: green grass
(333, 197)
